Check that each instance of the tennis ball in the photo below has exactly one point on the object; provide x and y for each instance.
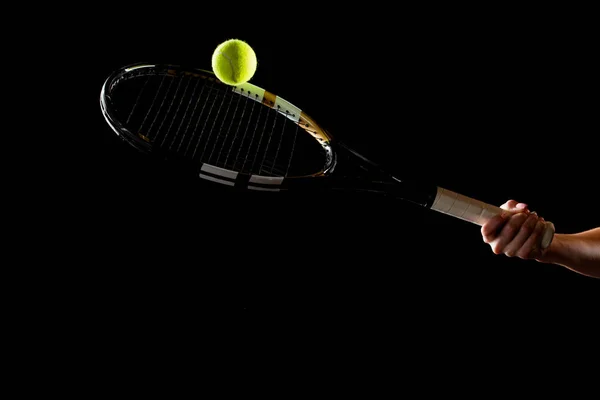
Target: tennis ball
(234, 62)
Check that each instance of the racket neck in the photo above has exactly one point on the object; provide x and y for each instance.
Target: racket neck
(369, 176)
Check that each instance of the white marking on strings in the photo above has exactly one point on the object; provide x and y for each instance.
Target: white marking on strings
(225, 173)
(213, 179)
(272, 182)
(213, 169)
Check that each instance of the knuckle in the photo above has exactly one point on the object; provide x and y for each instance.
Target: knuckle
(511, 228)
(487, 237)
(511, 203)
(497, 248)
(529, 226)
(515, 223)
(484, 231)
(523, 253)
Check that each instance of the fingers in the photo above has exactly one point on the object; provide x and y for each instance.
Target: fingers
(491, 228)
(509, 232)
(515, 235)
(524, 235)
(532, 246)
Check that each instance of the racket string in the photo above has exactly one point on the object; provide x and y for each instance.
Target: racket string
(225, 139)
(255, 154)
(148, 113)
(239, 125)
(206, 122)
(295, 136)
(137, 100)
(197, 119)
(157, 112)
(174, 119)
(244, 161)
(285, 121)
(269, 138)
(184, 118)
(224, 119)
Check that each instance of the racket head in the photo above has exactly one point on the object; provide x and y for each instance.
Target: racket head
(242, 136)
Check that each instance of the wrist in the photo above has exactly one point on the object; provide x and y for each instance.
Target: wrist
(555, 253)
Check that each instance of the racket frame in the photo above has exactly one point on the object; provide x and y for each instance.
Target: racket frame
(373, 177)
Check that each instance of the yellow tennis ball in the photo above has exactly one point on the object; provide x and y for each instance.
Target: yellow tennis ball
(234, 62)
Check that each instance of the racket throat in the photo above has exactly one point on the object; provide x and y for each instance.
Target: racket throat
(421, 194)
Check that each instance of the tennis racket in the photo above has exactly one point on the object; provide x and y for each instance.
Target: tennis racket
(247, 138)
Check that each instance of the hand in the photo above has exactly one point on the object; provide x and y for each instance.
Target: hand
(517, 233)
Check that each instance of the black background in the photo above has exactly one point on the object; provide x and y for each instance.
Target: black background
(495, 104)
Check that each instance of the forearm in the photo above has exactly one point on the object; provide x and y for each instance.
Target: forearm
(579, 252)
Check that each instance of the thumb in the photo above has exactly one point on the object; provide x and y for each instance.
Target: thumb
(514, 206)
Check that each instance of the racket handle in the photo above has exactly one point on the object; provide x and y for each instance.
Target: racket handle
(475, 211)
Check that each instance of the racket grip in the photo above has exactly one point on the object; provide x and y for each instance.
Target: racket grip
(477, 212)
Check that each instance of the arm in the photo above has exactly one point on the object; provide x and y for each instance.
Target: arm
(580, 252)
(519, 234)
